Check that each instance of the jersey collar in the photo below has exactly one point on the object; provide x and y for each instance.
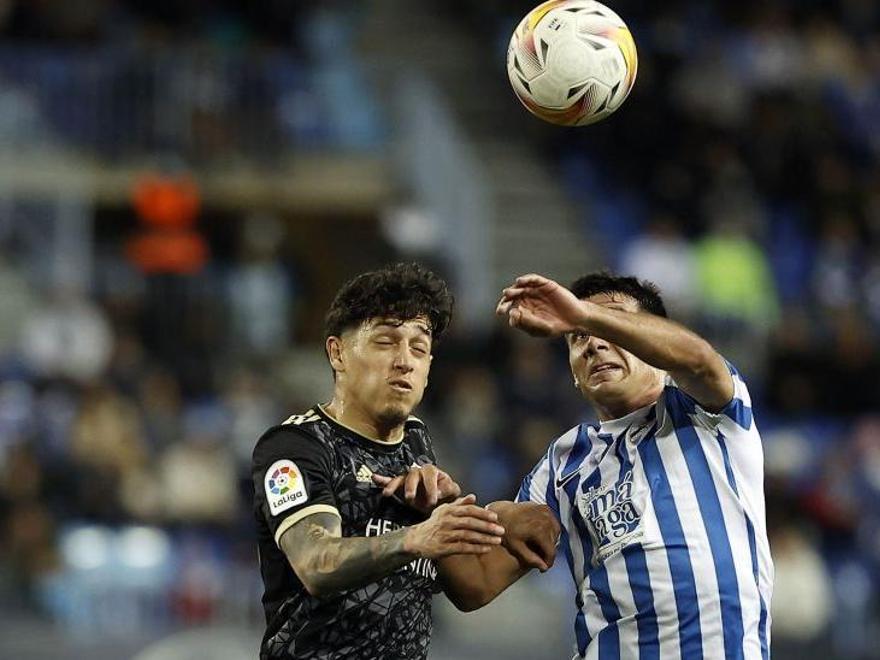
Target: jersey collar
(615, 427)
(373, 442)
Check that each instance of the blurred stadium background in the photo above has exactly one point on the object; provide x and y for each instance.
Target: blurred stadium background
(185, 183)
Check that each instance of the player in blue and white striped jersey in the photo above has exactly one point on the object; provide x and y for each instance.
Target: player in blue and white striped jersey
(661, 503)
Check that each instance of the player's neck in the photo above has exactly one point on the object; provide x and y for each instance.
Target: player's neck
(352, 417)
(621, 407)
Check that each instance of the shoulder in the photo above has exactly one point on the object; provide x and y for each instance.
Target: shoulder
(683, 410)
(304, 432)
(416, 432)
(568, 440)
(562, 446)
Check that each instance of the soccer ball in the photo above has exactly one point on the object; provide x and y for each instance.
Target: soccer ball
(572, 62)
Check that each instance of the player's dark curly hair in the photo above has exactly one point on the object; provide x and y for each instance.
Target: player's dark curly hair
(401, 291)
(643, 292)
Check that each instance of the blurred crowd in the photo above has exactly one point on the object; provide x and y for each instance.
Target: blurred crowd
(216, 84)
(742, 176)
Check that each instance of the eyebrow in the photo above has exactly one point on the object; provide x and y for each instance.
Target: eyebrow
(396, 324)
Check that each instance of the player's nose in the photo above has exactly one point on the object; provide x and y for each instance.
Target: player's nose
(403, 361)
(596, 344)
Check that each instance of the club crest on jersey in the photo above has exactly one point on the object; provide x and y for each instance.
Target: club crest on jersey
(284, 486)
(611, 516)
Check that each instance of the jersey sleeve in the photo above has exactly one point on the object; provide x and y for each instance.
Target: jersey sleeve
(423, 447)
(292, 473)
(686, 411)
(535, 484)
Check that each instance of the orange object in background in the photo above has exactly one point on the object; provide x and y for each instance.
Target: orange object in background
(168, 244)
(172, 203)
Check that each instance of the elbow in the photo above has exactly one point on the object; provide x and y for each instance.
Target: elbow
(315, 584)
(703, 358)
(313, 587)
(470, 599)
(468, 604)
(320, 587)
(705, 365)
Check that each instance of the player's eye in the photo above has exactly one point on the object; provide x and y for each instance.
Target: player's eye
(420, 350)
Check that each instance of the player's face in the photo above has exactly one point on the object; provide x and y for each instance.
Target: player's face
(386, 367)
(606, 374)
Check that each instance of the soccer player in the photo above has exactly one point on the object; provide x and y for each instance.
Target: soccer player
(661, 503)
(349, 573)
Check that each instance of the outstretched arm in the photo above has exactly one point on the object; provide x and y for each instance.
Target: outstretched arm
(545, 308)
(328, 563)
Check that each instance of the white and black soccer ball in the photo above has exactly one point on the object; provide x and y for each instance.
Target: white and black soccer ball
(572, 62)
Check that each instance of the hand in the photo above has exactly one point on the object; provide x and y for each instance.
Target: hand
(460, 527)
(424, 487)
(532, 532)
(540, 307)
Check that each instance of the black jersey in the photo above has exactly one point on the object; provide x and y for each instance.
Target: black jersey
(312, 464)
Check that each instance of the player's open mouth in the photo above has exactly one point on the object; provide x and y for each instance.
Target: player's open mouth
(599, 368)
(401, 385)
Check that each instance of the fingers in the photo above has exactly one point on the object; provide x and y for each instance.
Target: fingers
(544, 548)
(430, 477)
(512, 293)
(532, 280)
(527, 556)
(481, 526)
(446, 486)
(467, 536)
(393, 486)
(514, 317)
(411, 484)
(470, 510)
(423, 486)
(468, 516)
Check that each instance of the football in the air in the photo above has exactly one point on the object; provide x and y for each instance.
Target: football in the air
(572, 62)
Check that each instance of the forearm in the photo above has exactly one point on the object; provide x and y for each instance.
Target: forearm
(327, 563)
(696, 367)
(658, 341)
(471, 581)
(339, 564)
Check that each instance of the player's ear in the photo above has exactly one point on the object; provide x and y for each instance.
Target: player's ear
(334, 350)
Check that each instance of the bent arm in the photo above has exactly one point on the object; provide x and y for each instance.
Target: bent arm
(326, 563)
(696, 367)
(530, 541)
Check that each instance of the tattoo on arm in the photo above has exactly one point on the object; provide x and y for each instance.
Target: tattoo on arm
(328, 563)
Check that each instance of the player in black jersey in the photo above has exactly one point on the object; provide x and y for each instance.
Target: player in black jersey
(348, 568)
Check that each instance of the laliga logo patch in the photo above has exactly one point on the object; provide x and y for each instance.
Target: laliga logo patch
(285, 487)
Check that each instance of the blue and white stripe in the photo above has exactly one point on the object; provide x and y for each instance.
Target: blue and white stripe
(676, 566)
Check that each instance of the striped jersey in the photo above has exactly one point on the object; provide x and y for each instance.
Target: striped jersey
(664, 530)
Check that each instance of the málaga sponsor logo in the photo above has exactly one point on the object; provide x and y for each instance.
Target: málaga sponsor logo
(613, 518)
(422, 567)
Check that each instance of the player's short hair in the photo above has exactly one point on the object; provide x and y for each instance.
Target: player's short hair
(402, 291)
(645, 293)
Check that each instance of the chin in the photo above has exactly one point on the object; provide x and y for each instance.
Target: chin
(394, 414)
(609, 389)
